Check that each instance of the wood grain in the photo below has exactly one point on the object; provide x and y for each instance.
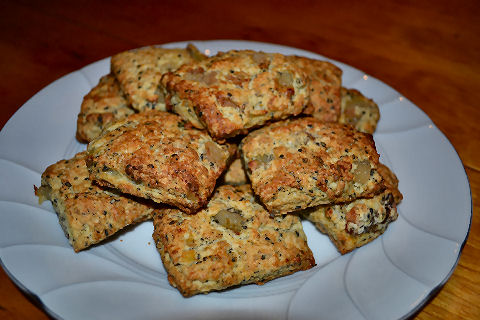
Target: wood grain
(429, 51)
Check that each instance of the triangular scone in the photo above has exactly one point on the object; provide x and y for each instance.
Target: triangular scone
(359, 111)
(156, 155)
(87, 213)
(235, 91)
(139, 72)
(235, 174)
(325, 82)
(352, 225)
(102, 106)
(233, 241)
(296, 164)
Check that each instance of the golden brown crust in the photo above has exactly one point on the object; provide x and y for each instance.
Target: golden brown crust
(155, 156)
(87, 213)
(391, 182)
(325, 81)
(295, 164)
(233, 241)
(359, 111)
(102, 106)
(235, 91)
(354, 224)
(139, 71)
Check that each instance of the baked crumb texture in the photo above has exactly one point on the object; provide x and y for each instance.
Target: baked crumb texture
(354, 224)
(87, 213)
(325, 81)
(139, 71)
(234, 91)
(359, 111)
(154, 155)
(296, 164)
(233, 241)
(102, 106)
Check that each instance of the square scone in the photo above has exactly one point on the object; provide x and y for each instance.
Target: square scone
(325, 80)
(301, 163)
(156, 155)
(235, 91)
(354, 224)
(233, 241)
(359, 111)
(139, 72)
(102, 106)
(87, 213)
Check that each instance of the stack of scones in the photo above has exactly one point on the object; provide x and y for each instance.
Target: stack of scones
(227, 155)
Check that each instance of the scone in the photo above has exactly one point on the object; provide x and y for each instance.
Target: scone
(234, 91)
(139, 71)
(102, 106)
(233, 241)
(391, 182)
(301, 163)
(359, 111)
(154, 155)
(235, 174)
(87, 213)
(325, 81)
(351, 225)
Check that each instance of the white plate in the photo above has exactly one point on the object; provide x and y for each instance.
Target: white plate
(390, 278)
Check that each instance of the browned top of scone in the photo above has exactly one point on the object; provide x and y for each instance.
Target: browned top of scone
(237, 90)
(87, 212)
(325, 81)
(154, 155)
(69, 177)
(295, 164)
(359, 111)
(103, 105)
(232, 241)
(139, 71)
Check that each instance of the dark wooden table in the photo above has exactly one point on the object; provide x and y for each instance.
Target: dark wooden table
(427, 50)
